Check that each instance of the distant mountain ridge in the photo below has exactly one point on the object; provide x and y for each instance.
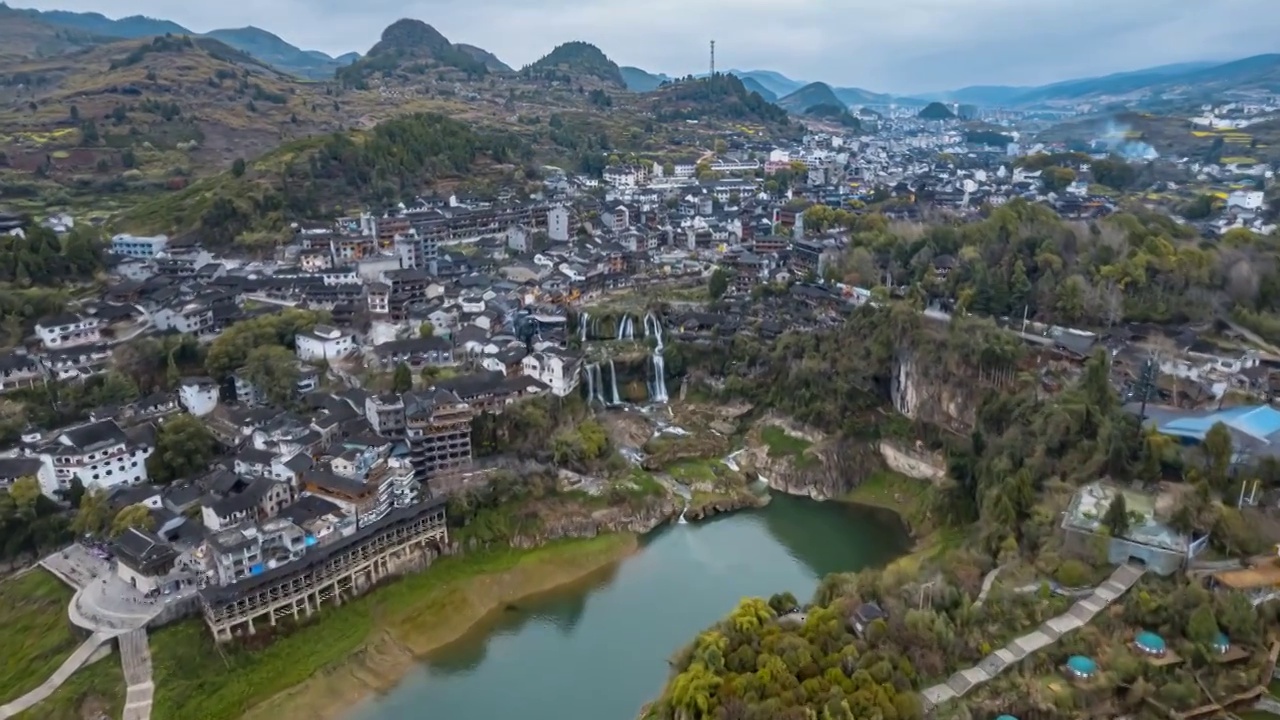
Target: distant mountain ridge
(413, 47)
(810, 96)
(261, 44)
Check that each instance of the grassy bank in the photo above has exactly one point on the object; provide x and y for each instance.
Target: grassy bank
(912, 499)
(318, 670)
(34, 631)
(94, 691)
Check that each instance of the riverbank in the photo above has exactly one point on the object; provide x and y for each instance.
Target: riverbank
(320, 670)
(912, 500)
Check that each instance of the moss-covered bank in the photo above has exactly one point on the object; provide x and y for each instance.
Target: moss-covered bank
(319, 670)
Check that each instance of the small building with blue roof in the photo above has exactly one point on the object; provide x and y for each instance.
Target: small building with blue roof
(1081, 667)
(1149, 643)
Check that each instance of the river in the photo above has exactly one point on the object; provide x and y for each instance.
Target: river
(598, 650)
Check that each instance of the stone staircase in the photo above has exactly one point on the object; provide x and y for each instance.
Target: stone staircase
(59, 676)
(1047, 634)
(135, 657)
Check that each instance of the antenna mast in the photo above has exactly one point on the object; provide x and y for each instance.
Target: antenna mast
(713, 58)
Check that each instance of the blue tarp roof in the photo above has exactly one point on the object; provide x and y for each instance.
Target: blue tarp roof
(1082, 664)
(1150, 641)
(1257, 421)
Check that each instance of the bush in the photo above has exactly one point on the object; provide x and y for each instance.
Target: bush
(1073, 574)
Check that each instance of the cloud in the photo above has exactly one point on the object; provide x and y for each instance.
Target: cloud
(899, 46)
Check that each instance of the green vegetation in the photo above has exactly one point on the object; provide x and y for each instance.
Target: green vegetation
(415, 613)
(30, 523)
(41, 258)
(720, 97)
(781, 443)
(37, 634)
(936, 111)
(233, 348)
(408, 48)
(572, 61)
(184, 448)
(96, 690)
(305, 179)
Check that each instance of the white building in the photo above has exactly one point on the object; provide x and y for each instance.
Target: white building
(1245, 199)
(558, 223)
(557, 371)
(199, 395)
(98, 453)
(623, 176)
(68, 330)
(324, 343)
(187, 318)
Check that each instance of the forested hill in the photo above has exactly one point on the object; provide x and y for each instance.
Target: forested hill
(721, 97)
(396, 160)
(575, 61)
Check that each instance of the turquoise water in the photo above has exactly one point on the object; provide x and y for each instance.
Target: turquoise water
(598, 650)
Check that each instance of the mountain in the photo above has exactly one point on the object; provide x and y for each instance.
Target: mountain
(274, 51)
(811, 95)
(836, 113)
(412, 47)
(481, 55)
(753, 85)
(23, 36)
(777, 83)
(722, 97)
(135, 116)
(577, 60)
(259, 43)
(1261, 72)
(936, 111)
(858, 96)
(638, 80)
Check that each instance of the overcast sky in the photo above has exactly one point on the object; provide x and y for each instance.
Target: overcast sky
(887, 46)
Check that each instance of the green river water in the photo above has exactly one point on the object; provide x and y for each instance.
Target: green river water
(598, 650)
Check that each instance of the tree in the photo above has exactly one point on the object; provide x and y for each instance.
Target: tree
(1116, 519)
(1217, 450)
(1056, 179)
(25, 491)
(128, 159)
(426, 330)
(402, 379)
(184, 447)
(75, 491)
(74, 114)
(93, 514)
(1202, 626)
(718, 283)
(133, 516)
(274, 371)
(237, 167)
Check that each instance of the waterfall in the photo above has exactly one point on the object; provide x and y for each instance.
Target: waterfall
(613, 373)
(683, 510)
(659, 393)
(626, 328)
(599, 383)
(591, 383)
(651, 319)
(582, 326)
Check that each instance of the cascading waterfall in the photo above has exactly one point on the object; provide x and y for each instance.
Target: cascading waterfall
(599, 383)
(582, 326)
(626, 328)
(613, 374)
(683, 510)
(659, 377)
(591, 383)
(658, 389)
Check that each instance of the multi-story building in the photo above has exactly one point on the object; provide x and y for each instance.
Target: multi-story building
(19, 370)
(199, 395)
(139, 247)
(385, 414)
(407, 290)
(187, 318)
(251, 549)
(324, 342)
(68, 330)
(99, 454)
(557, 370)
(438, 429)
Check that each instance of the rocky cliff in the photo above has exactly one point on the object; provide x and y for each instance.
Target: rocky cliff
(582, 522)
(933, 396)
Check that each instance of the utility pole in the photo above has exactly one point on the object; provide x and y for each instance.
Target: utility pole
(713, 58)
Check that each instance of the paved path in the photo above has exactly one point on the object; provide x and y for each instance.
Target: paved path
(59, 676)
(1047, 634)
(135, 656)
(987, 582)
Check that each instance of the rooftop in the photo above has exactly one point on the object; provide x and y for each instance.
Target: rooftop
(1090, 505)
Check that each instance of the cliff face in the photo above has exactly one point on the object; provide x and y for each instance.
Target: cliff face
(584, 523)
(931, 395)
(823, 472)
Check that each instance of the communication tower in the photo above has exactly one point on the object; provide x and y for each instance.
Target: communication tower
(713, 58)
